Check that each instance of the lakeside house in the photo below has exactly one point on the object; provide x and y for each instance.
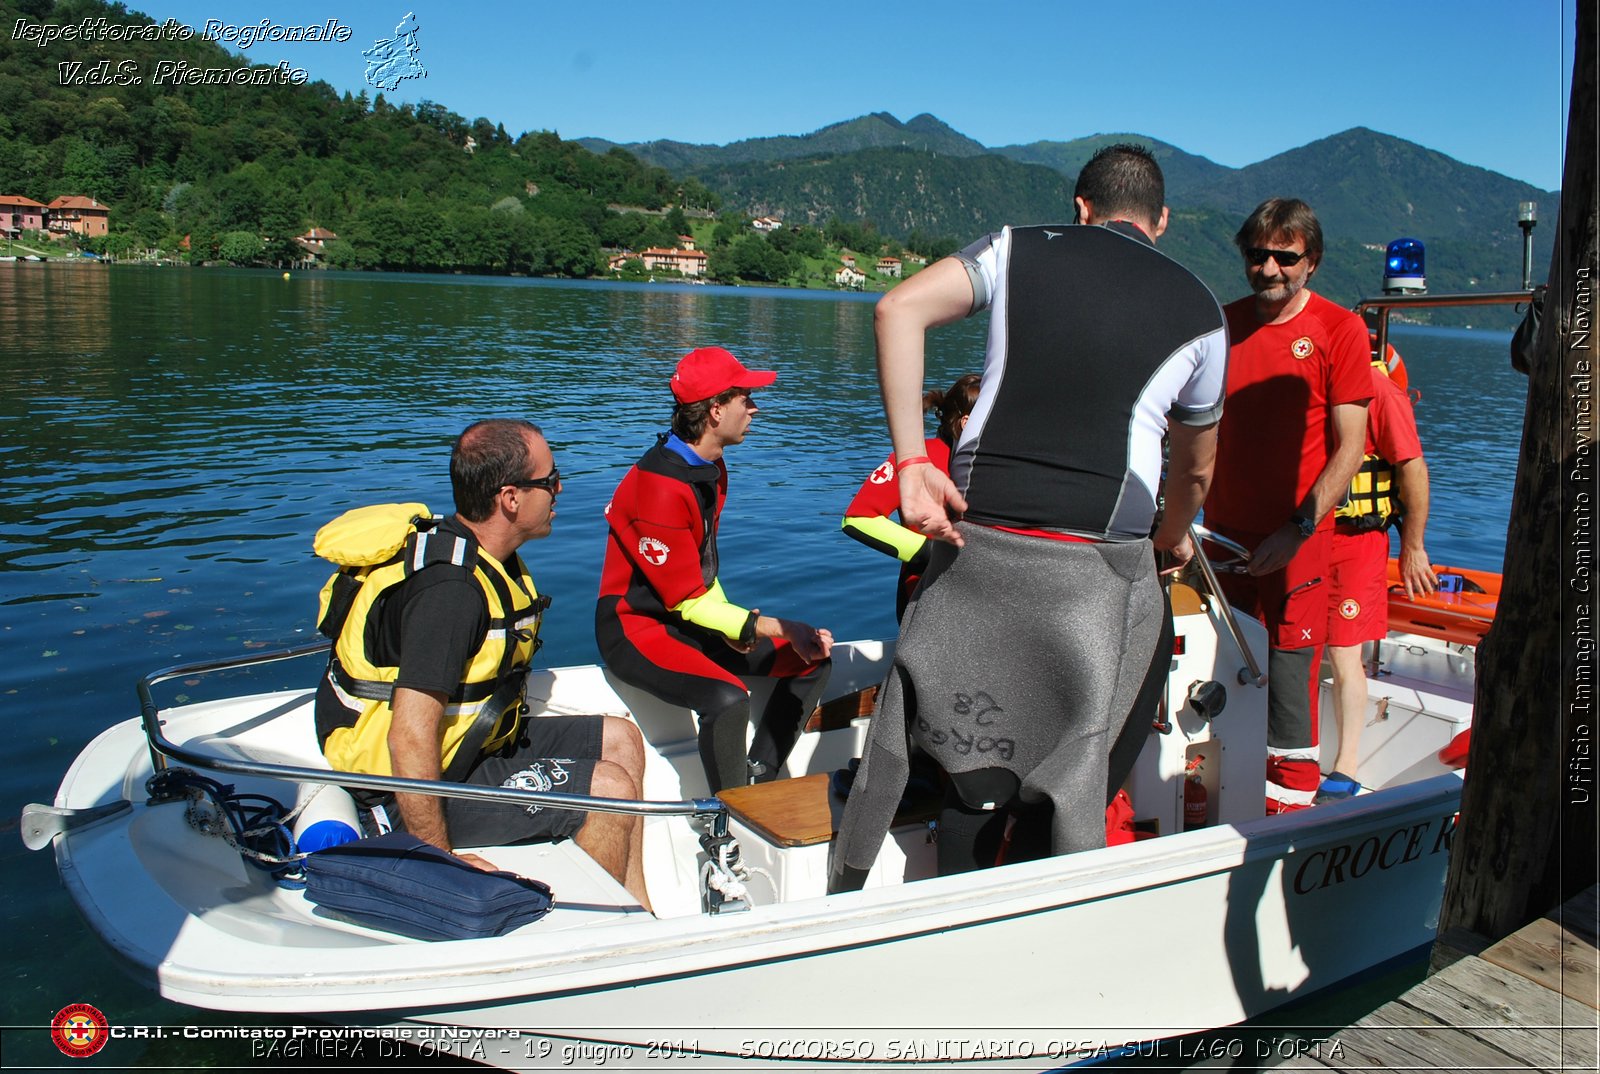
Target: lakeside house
(313, 247)
(314, 244)
(316, 240)
(889, 266)
(68, 214)
(78, 216)
(686, 262)
(849, 276)
(19, 214)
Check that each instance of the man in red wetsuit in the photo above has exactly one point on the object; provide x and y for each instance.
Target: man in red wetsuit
(1288, 445)
(1391, 484)
(663, 622)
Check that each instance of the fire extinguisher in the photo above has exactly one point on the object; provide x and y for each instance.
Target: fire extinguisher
(1194, 796)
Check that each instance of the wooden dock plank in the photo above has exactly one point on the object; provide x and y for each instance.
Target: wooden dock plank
(1548, 954)
(1397, 1035)
(1473, 994)
(1525, 1003)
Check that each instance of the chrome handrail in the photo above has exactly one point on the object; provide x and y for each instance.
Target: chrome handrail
(150, 714)
(1197, 533)
(1386, 303)
(1203, 534)
(161, 749)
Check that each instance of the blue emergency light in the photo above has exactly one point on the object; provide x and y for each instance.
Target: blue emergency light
(1403, 267)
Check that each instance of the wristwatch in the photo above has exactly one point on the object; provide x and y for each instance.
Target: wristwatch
(1306, 526)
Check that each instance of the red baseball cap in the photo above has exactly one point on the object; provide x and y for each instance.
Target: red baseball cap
(708, 371)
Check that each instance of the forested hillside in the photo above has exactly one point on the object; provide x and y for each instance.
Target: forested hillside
(902, 191)
(235, 172)
(876, 131)
(404, 188)
(1367, 187)
(1183, 171)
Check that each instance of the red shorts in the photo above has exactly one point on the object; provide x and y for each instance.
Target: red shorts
(1292, 602)
(1358, 587)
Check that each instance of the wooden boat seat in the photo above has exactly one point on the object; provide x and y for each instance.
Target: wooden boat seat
(802, 811)
(1186, 600)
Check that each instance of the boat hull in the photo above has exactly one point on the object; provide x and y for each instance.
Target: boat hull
(1054, 966)
(1045, 961)
(1035, 964)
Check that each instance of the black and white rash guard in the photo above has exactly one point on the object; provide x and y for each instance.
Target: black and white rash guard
(1121, 339)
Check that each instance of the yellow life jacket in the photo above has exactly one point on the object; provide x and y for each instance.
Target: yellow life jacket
(1370, 502)
(376, 549)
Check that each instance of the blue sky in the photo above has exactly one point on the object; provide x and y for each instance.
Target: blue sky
(1485, 81)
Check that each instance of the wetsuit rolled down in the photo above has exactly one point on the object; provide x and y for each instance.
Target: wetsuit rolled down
(1025, 646)
(867, 518)
(663, 622)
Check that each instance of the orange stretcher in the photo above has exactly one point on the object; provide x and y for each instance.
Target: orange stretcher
(1461, 611)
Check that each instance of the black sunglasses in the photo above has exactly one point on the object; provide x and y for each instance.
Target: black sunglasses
(1257, 255)
(549, 482)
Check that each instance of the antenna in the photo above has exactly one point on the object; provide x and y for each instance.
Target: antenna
(1527, 220)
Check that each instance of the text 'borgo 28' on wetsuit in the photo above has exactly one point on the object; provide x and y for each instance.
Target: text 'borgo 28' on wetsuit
(663, 623)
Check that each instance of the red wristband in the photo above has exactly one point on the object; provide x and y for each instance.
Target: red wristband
(914, 460)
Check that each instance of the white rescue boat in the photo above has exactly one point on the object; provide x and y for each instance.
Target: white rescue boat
(1034, 965)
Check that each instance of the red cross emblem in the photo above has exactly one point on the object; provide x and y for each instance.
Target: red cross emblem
(79, 1030)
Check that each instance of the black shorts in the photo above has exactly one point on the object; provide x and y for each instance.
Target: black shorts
(555, 753)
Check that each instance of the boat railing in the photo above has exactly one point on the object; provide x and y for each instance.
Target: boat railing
(162, 750)
(1384, 304)
(1250, 674)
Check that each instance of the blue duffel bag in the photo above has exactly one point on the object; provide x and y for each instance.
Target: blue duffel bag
(398, 883)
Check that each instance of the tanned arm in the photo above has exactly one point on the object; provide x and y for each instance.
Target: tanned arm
(414, 754)
(939, 294)
(1411, 485)
(1349, 432)
(1191, 458)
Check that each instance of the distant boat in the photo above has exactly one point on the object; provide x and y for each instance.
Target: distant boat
(32, 257)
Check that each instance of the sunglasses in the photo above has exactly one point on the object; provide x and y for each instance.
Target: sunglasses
(549, 482)
(1258, 255)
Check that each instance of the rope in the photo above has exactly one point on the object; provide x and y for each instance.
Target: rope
(720, 877)
(254, 825)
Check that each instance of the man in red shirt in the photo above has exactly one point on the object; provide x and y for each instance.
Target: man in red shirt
(1289, 442)
(1391, 484)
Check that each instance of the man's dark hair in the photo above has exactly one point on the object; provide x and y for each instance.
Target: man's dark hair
(488, 455)
(1123, 180)
(1282, 216)
(689, 419)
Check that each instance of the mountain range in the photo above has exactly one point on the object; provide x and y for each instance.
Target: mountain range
(922, 175)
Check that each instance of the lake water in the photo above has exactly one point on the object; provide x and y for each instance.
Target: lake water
(170, 439)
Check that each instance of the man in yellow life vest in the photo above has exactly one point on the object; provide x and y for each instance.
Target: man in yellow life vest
(1391, 486)
(435, 621)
